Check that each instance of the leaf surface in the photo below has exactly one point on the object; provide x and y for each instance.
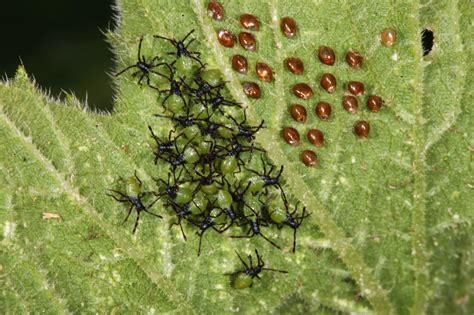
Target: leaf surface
(391, 223)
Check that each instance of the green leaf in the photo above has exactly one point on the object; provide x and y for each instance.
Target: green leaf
(391, 223)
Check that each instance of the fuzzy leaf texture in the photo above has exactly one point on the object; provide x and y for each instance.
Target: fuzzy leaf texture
(391, 224)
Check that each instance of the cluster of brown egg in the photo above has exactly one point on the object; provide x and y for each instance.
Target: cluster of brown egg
(323, 109)
(301, 90)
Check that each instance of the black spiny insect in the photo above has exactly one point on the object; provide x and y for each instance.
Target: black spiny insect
(182, 212)
(243, 279)
(244, 130)
(294, 222)
(144, 67)
(271, 180)
(182, 47)
(217, 100)
(176, 87)
(134, 199)
(203, 226)
(163, 147)
(290, 218)
(204, 89)
(255, 228)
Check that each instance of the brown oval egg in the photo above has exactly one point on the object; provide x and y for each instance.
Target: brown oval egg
(323, 110)
(315, 137)
(309, 158)
(294, 65)
(303, 90)
(225, 37)
(298, 112)
(374, 103)
(326, 55)
(291, 136)
(356, 88)
(362, 129)
(252, 90)
(247, 41)
(215, 10)
(354, 59)
(264, 72)
(249, 22)
(350, 104)
(288, 27)
(388, 37)
(328, 82)
(239, 64)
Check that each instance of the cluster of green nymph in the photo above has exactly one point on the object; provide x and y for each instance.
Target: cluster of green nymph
(218, 178)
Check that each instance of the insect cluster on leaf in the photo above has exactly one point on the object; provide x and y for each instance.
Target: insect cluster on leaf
(218, 178)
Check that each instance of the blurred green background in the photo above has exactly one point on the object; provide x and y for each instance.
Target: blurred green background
(61, 44)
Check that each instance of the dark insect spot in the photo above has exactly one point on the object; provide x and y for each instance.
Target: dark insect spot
(427, 41)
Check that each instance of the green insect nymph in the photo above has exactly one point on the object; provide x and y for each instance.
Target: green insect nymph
(243, 279)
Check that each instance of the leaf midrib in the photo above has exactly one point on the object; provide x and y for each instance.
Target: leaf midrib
(419, 200)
